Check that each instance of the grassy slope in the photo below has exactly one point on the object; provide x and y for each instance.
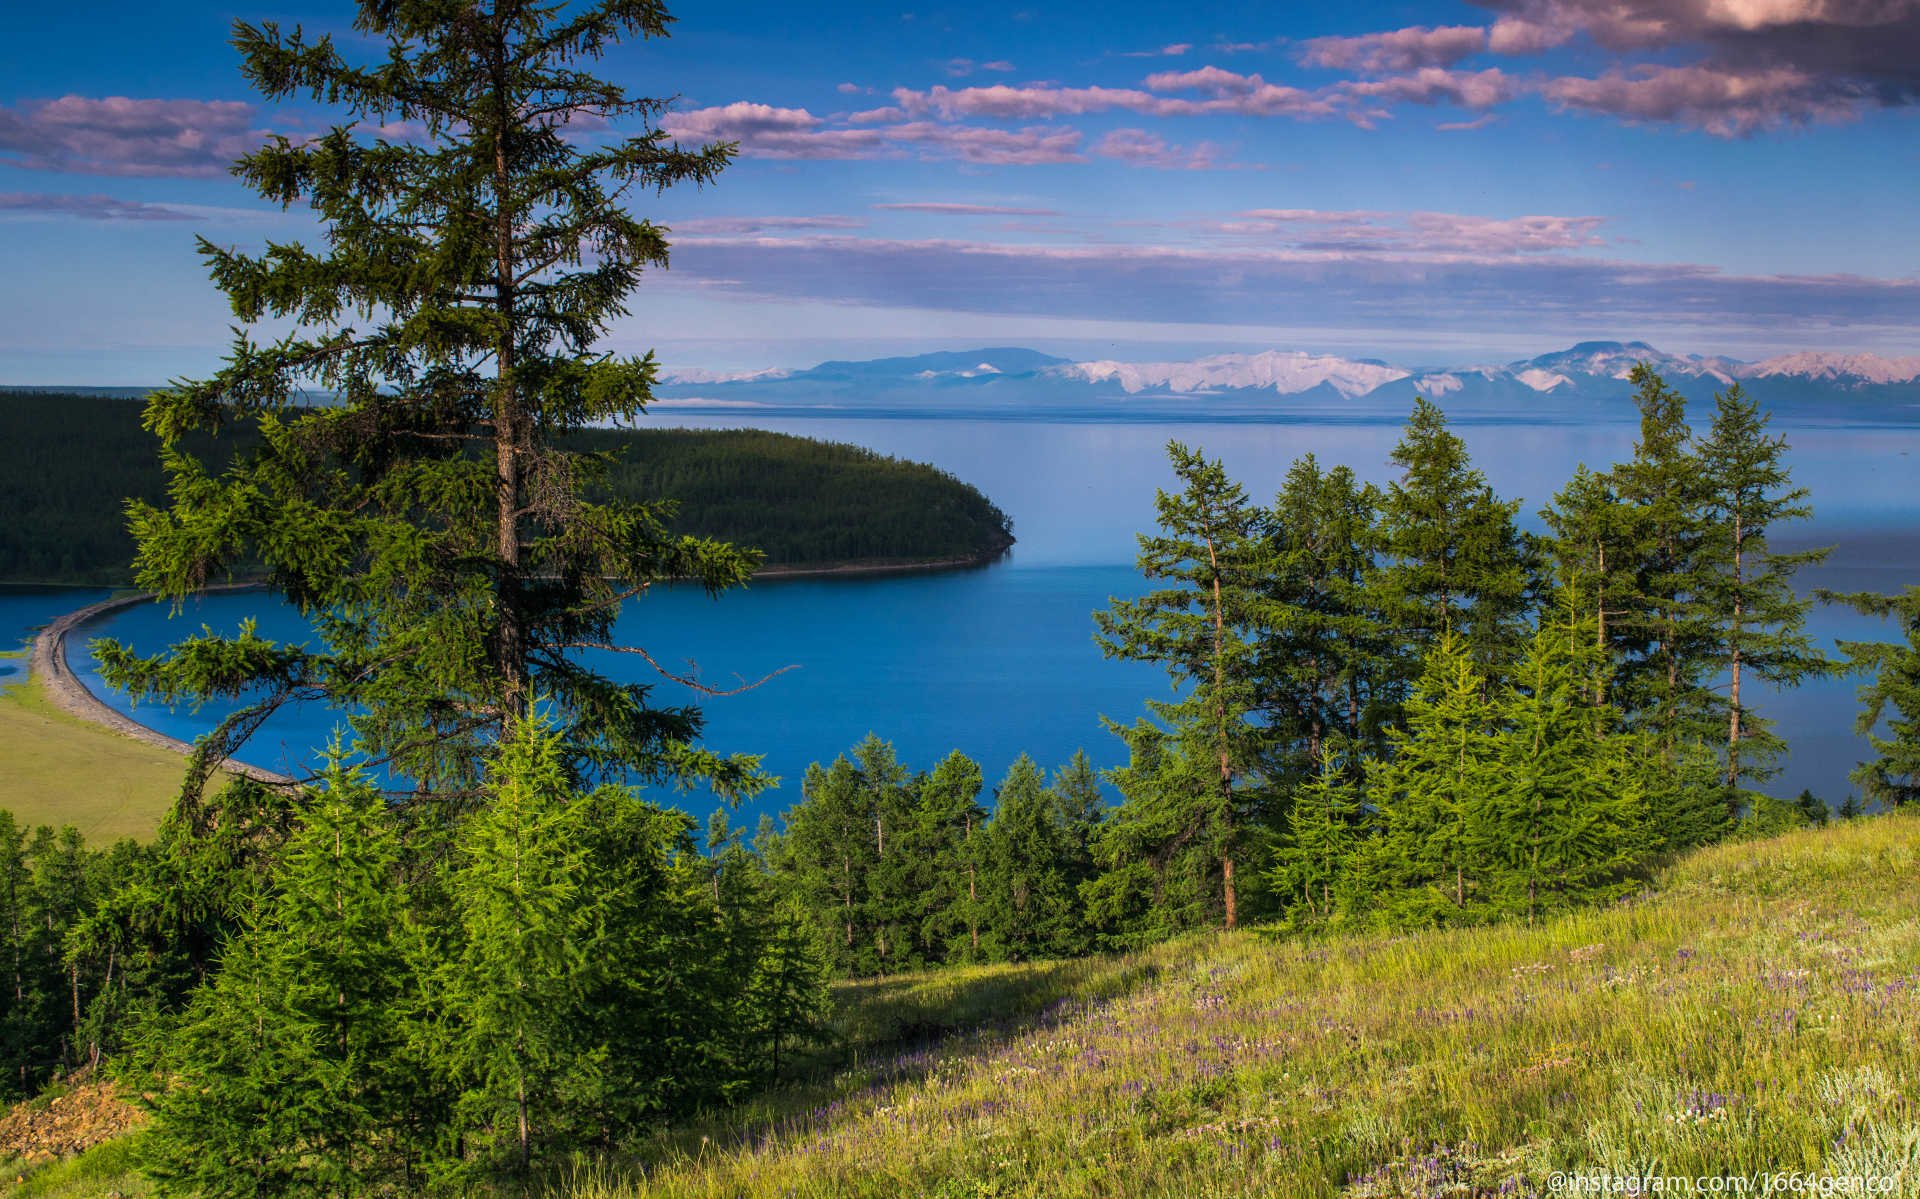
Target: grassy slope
(61, 770)
(1757, 1012)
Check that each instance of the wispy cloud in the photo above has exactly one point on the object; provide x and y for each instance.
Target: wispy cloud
(1723, 101)
(1240, 285)
(1396, 50)
(1137, 147)
(762, 224)
(116, 135)
(90, 208)
(766, 131)
(950, 208)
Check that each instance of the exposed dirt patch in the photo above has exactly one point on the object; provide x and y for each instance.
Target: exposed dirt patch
(43, 1130)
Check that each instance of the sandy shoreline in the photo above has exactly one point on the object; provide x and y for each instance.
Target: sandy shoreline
(48, 663)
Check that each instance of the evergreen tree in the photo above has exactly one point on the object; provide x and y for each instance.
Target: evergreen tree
(1666, 635)
(1195, 627)
(515, 977)
(838, 862)
(1892, 694)
(1759, 623)
(1813, 809)
(1564, 821)
(1421, 867)
(292, 1071)
(1596, 547)
(1456, 564)
(1031, 907)
(428, 519)
(948, 851)
(786, 998)
(1327, 667)
(1314, 858)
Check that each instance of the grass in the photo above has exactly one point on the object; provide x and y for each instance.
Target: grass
(61, 770)
(104, 1170)
(1758, 1010)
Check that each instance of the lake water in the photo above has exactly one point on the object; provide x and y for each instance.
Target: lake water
(1001, 659)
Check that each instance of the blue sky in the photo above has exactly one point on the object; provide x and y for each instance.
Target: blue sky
(1436, 183)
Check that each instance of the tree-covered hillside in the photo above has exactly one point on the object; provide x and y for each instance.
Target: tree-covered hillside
(69, 462)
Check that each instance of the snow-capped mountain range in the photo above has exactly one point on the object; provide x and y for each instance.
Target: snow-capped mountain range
(1005, 378)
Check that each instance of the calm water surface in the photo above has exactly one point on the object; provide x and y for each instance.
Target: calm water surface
(1001, 660)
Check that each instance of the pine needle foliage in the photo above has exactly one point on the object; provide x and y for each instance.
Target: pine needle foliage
(426, 517)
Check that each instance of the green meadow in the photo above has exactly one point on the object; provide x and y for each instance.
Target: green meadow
(1752, 1015)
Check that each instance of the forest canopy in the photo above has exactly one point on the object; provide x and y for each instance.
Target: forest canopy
(68, 464)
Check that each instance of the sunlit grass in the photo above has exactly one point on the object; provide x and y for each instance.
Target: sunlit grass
(57, 769)
(1756, 1013)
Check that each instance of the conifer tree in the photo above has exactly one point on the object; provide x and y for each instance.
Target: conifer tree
(1759, 623)
(1032, 907)
(1596, 546)
(1205, 556)
(1327, 667)
(786, 997)
(1564, 820)
(293, 1071)
(948, 852)
(1456, 564)
(1892, 694)
(1661, 682)
(1421, 867)
(845, 861)
(515, 977)
(427, 517)
(1314, 858)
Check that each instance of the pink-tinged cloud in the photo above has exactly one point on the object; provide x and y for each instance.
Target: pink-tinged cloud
(1396, 50)
(765, 131)
(1019, 103)
(89, 208)
(1479, 122)
(1518, 35)
(990, 147)
(1722, 101)
(1171, 50)
(948, 208)
(1436, 85)
(1250, 96)
(877, 116)
(1237, 284)
(727, 225)
(1867, 48)
(1212, 79)
(115, 135)
(1412, 234)
(1137, 147)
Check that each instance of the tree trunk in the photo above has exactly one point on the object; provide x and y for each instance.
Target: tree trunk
(510, 651)
(1232, 897)
(1733, 690)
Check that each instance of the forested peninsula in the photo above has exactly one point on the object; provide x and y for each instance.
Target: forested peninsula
(69, 463)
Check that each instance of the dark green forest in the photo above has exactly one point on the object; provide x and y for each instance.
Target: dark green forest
(69, 462)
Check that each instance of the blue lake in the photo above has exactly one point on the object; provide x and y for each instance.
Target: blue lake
(1000, 660)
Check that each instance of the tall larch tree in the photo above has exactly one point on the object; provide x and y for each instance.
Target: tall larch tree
(1456, 563)
(410, 492)
(1203, 564)
(1759, 622)
(1667, 656)
(1327, 665)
